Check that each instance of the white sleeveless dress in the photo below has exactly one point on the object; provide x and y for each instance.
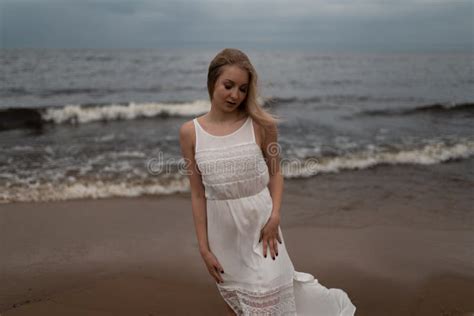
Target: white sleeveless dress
(235, 177)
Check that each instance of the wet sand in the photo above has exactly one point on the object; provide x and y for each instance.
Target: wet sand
(398, 240)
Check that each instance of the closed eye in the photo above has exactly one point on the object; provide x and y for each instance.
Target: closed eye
(229, 84)
(243, 90)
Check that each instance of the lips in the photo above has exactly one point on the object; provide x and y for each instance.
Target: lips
(231, 103)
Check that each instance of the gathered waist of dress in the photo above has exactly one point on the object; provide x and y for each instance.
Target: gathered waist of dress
(238, 197)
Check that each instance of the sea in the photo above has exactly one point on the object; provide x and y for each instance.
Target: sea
(96, 123)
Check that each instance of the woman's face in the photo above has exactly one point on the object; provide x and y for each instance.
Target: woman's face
(230, 88)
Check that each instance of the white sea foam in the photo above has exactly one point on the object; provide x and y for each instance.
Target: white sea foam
(91, 190)
(77, 114)
(30, 189)
(429, 154)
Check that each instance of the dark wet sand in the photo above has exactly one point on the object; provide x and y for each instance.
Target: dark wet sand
(398, 240)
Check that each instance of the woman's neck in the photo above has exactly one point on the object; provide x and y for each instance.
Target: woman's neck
(217, 116)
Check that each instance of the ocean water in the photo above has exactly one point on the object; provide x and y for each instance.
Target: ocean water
(102, 123)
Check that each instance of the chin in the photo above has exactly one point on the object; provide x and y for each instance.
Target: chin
(230, 108)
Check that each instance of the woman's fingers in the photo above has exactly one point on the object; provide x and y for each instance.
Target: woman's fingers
(218, 272)
(270, 244)
(279, 238)
(271, 241)
(214, 267)
(219, 268)
(215, 275)
(272, 250)
(275, 246)
(217, 265)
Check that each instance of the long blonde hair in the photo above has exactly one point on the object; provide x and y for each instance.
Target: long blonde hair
(250, 105)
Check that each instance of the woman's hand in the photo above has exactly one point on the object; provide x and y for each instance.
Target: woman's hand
(213, 266)
(270, 236)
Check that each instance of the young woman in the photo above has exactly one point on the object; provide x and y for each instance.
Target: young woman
(232, 160)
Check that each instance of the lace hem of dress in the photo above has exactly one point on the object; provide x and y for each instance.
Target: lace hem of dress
(276, 302)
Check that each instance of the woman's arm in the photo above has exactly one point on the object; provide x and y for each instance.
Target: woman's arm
(198, 199)
(271, 152)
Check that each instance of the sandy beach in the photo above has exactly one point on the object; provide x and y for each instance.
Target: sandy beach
(398, 240)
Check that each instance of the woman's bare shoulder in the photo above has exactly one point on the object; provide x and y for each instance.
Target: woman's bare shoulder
(186, 132)
(264, 132)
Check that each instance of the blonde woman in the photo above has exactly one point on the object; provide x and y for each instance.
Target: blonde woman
(232, 159)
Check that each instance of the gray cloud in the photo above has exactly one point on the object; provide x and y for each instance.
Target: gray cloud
(325, 24)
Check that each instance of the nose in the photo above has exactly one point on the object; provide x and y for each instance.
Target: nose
(234, 94)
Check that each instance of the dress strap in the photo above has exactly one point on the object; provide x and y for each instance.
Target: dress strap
(253, 131)
(196, 132)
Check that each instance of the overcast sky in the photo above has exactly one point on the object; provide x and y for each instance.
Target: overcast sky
(394, 25)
